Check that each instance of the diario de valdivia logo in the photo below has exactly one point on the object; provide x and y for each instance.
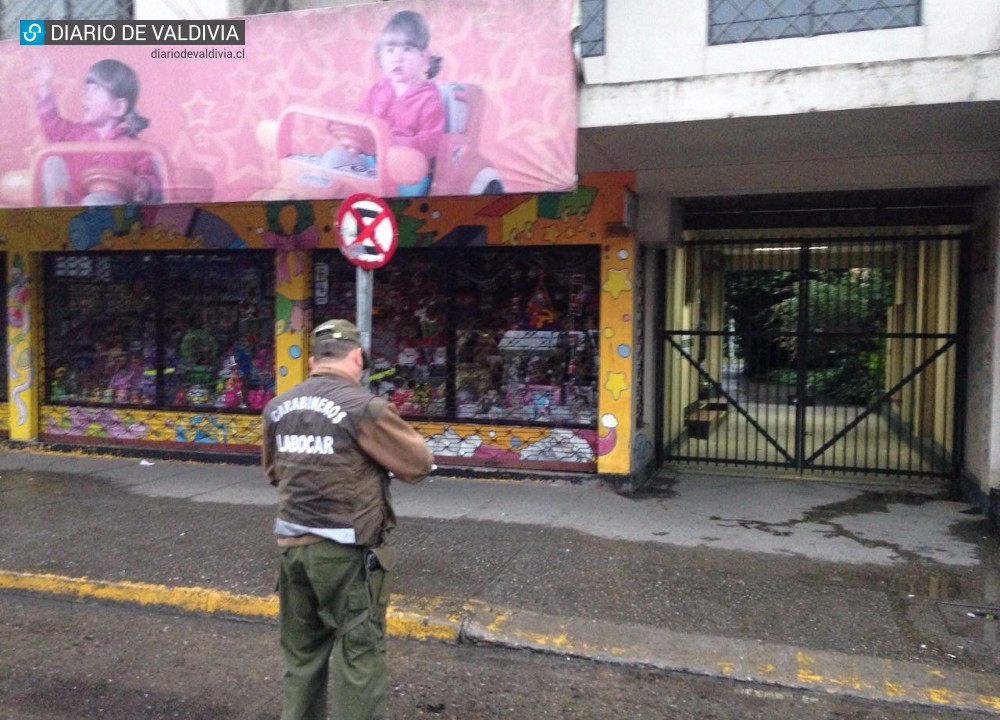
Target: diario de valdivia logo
(32, 32)
(133, 32)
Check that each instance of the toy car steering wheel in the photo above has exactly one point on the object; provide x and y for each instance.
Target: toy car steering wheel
(115, 181)
(351, 138)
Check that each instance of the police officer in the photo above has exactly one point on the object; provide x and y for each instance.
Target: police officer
(329, 447)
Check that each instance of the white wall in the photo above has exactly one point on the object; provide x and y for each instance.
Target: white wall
(660, 39)
(982, 416)
(992, 230)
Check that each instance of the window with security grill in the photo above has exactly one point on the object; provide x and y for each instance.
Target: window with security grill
(165, 330)
(739, 21)
(591, 31)
(498, 335)
(14, 310)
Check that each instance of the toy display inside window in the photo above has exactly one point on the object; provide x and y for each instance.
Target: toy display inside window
(496, 334)
(409, 326)
(218, 328)
(526, 336)
(410, 336)
(100, 329)
(163, 330)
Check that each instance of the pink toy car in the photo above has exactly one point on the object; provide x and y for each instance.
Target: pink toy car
(334, 172)
(26, 188)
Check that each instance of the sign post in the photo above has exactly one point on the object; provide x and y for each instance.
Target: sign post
(368, 239)
(365, 290)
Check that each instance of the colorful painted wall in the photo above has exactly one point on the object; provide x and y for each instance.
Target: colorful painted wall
(293, 230)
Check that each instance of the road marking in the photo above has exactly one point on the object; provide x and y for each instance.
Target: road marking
(419, 618)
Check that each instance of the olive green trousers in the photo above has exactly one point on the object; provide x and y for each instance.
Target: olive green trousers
(332, 624)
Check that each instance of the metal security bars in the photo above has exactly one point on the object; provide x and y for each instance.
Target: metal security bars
(159, 330)
(492, 335)
(825, 354)
(738, 21)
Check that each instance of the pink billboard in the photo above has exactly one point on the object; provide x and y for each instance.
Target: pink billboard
(409, 98)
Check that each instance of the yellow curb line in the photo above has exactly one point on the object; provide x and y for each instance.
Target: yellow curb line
(419, 618)
(444, 619)
(187, 598)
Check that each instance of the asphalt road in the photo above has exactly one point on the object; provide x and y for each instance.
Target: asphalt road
(64, 660)
(864, 600)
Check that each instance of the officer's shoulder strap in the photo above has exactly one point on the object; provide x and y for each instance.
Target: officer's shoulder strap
(374, 408)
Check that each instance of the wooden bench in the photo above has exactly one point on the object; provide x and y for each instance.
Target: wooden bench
(705, 416)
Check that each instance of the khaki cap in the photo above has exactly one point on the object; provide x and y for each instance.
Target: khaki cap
(339, 329)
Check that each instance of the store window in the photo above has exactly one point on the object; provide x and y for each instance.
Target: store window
(167, 330)
(479, 334)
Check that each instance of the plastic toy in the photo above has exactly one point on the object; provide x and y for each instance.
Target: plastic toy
(25, 187)
(313, 164)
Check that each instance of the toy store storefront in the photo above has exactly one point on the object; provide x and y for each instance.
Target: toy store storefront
(502, 327)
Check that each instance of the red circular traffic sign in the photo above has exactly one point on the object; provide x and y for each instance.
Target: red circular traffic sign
(367, 230)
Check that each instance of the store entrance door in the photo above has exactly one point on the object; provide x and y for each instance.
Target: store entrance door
(816, 353)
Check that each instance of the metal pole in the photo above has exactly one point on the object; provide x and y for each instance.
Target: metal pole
(802, 360)
(365, 290)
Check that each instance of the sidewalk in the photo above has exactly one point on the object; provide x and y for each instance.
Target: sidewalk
(877, 591)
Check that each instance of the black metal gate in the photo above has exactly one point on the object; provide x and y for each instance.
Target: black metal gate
(815, 354)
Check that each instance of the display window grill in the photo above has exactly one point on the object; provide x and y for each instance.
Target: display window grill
(160, 330)
(499, 335)
(15, 317)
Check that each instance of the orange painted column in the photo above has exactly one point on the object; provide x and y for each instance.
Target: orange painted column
(616, 338)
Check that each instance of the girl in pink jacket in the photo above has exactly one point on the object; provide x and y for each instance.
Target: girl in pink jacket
(405, 97)
(111, 89)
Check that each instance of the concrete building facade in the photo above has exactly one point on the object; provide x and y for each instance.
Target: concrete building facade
(909, 109)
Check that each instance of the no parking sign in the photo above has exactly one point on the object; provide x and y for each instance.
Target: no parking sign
(368, 238)
(368, 231)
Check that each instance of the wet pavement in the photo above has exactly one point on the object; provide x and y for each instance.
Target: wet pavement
(883, 591)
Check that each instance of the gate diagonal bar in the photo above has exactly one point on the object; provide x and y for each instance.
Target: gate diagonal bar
(874, 405)
(732, 401)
